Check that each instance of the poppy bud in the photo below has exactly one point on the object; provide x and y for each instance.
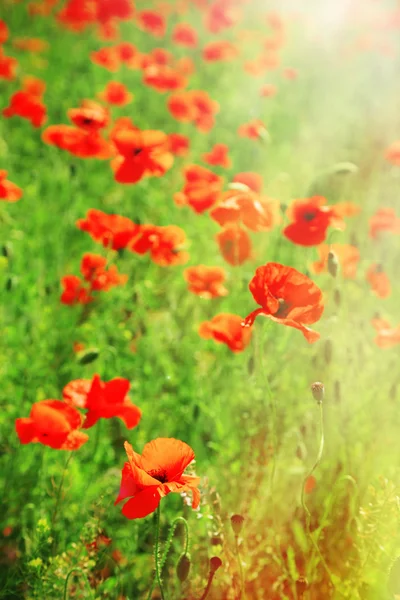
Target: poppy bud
(344, 168)
(301, 586)
(183, 567)
(215, 564)
(333, 263)
(337, 297)
(318, 391)
(216, 540)
(328, 351)
(237, 524)
(88, 356)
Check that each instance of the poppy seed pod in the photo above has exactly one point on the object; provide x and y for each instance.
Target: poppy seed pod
(333, 264)
(215, 564)
(237, 524)
(183, 567)
(318, 391)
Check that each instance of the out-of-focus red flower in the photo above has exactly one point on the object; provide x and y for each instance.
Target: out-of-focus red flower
(268, 90)
(9, 192)
(220, 15)
(108, 58)
(347, 255)
(78, 14)
(116, 93)
(156, 473)
(220, 50)
(112, 231)
(310, 484)
(218, 156)
(255, 212)
(226, 328)
(384, 219)
(79, 142)
(201, 188)
(127, 53)
(206, 282)
(8, 66)
(253, 130)
(387, 336)
(178, 144)
(42, 8)
(27, 103)
(153, 22)
(30, 44)
(163, 78)
(288, 297)
(379, 281)
(103, 400)
(193, 106)
(74, 291)
(78, 347)
(168, 245)
(52, 423)
(3, 32)
(290, 74)
(234, 244)
(185, 66)
(93, 269)
(310, 221)
(141, 154)
(90, 116)
(393, 154)
(252, 180)
(185, 35)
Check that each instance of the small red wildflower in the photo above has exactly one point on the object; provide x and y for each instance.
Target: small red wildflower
(347, 255)
(218, 156)
(206, 282)
(9, 192)
(220, 50)
(253, 130)
(234, 244)
(384, 219)
(379, 281)
(115, 93)
(310, 221)
(178, 144)
(112, 231)
(27, 103)
(226, 328)
(201, 188)
(74, 291)
(185, 35)
(153, 22)
(8, 66)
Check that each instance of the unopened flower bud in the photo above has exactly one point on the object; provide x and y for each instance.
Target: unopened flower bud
(337, 297)
(318, 391)
(237, 524)
(333, 263)
(183, 567)
(215, 564)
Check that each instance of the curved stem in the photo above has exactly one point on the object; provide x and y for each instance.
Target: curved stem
(208, 586)
(156, 553)
(242, 595)
(77, 570)
(303, 502)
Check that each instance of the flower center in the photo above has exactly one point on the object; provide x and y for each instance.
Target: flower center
(137, 151)
(283, 309)
(159, 474)
(309, 216)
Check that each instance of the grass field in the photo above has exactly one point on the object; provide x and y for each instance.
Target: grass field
(310, 475)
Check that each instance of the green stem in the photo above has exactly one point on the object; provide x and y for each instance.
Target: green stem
(77, 570)
(242, 594)
(53, 520)
(156, 553)
(303, 502)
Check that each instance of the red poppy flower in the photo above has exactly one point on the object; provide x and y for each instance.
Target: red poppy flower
(388, 336)
(153, 22)
(27, 105)
(234, 244)
(178, 144)
(93, 269)
(103, 400)
(384, 220)
(185, 66)
(91, 116)
(30, 44)
(185, 35)
(206, 282)
(221, 14)
(193, 106)
(226, 328)
(108, 58)
(220, 50)
(78, 142)
(3, 32)
(201, 188)
(115, 93)
(252, 180)
(8, 66)
(112, 231)
(218, 156)
(156, 473)
(127, 53)
(52, 423)
(9, 192)
(243, 205)
(253, 130)
(393, 154)
(379, 281)
(167, 246)
(141, 154)
(288, 297)
(268, 90)
(311, 219)
(75, 291)
(290, 73)
(347, 255)
(163, 78)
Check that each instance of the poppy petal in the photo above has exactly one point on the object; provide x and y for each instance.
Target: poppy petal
(167, 454)
(143, 504)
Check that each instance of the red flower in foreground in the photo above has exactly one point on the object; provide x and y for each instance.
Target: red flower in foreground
(112, 231)
(206, 282)
(234, 244)
(27, 103)
(379, 281)
(116, 93)
(9, 192)
(156, 473)
(78, 142)
(226, 328)
(387, 336)
(287, 297)
(75, 291)
(347, 255)
(52, 423)
(218, 156)
(103, 400)
(310, 221)
(384, 219)
(93, 269)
